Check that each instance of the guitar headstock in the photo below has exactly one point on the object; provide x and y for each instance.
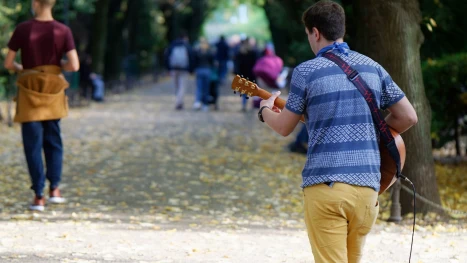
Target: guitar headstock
(244, 86)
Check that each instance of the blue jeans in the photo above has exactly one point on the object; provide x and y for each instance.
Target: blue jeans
(222, 71)
(244, 100)
(43, 135)
(203, 78)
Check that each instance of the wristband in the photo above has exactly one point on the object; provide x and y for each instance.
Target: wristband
(260, 113)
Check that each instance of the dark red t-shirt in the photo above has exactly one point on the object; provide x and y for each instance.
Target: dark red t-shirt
(41, 42)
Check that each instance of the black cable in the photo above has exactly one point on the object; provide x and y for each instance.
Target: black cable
(414, 212)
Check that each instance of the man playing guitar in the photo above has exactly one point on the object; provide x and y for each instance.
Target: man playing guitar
(341, 177)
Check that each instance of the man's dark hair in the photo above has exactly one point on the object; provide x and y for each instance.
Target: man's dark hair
(328, 17)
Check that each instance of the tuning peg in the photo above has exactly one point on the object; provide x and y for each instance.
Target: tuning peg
(235, 92)
(247, 97)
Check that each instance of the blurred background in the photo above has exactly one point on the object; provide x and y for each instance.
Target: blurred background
(423, 44)
(127, 38)
(134, 159)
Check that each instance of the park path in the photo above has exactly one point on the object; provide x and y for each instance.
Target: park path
(146, 183)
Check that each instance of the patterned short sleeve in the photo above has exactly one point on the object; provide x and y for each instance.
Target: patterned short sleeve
(297, 96)
(390, 92)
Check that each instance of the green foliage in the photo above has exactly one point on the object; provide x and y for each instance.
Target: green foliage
(219, 23)
(444, 27)
(288, 31)
(147, 34)
(75, 7)
(9, 12)
(445, 83)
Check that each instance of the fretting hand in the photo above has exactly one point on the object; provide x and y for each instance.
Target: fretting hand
(270, 102)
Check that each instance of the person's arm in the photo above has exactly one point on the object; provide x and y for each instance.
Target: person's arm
(10, 63)
(72, 62)
(402, 116)
(282, 122)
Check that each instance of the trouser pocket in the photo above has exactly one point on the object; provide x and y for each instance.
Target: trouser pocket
(371, 213)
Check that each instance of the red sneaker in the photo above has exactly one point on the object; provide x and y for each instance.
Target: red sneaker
(56, 197)
(37, 204)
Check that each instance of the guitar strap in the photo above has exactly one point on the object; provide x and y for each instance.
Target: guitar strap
(378, 119)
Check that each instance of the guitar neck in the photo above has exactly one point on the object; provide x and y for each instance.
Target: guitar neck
(280, 103)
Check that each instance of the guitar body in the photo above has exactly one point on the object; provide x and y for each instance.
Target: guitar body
(388, 166)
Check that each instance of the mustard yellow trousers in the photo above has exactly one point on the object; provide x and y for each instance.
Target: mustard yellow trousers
(338, 219)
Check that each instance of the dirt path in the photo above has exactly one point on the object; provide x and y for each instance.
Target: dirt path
(148, 184)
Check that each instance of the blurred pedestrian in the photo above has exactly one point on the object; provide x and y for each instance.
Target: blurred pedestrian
(222, 57)
(178, 60)
(41, 101)
(267, 70)
(204, 65)
(98, 87)
(246, 59)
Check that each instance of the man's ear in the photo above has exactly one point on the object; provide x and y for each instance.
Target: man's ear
(316, 33)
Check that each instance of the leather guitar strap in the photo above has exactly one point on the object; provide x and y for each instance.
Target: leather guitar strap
(378, 119)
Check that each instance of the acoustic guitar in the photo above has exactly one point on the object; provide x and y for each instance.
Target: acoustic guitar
(388, 165)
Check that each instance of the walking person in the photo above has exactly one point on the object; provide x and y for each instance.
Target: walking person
(41, 100)
(178, 60)
(341, 177)
(204, 64)
(246, 59)
(222, 57)
(267, 70)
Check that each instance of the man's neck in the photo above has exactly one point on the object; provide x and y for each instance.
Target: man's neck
(327, 43)
(45, 15)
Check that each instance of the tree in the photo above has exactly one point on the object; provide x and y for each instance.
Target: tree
(446, 81)
(10, 11)
(444, 27)
(99, 36)
(186, 16)
(117, 21)
(287, 29)
(389, 32)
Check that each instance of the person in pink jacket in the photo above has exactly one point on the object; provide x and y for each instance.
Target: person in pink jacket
(268, 68)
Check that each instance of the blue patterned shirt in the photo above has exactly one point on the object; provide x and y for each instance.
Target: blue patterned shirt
(343, 140)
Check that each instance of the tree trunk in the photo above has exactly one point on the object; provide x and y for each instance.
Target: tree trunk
(279, 36)
(389, 32)
(99, 36)
(170, 17)
(113, 56)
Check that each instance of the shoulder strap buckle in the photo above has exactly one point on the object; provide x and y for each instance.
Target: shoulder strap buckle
(353, 75)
